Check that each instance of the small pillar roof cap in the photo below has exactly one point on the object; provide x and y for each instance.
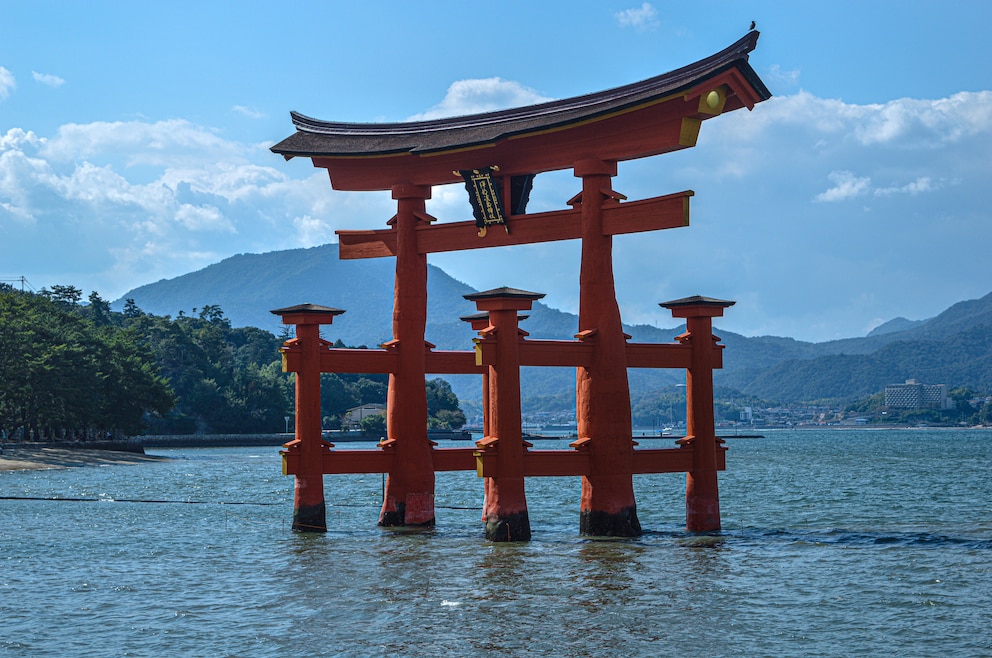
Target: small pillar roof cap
(484, 315)
(696, 300)
(306, 309)
(504, 292)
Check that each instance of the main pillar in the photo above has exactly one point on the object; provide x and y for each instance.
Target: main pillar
(702, 493)
(309, 509)
(505, 510)
(602, 394)
(409, 494)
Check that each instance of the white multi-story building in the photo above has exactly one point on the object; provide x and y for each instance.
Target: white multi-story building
(914, 395)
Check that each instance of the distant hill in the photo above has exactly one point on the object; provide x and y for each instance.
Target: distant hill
(248, 286)
(952, 348)
(962, 359)
(895, 325)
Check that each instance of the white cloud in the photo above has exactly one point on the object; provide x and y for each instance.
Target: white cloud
(918, 186)
(53, 81)
(481, 95)
(131, 202)
(7, 83)
(203, 218)
(905, 123)
(163, 143)
(777, 74)
(16, 138)
(312, 231)
(249, 112)
(644, 17)
(846, 186)
(927, 123)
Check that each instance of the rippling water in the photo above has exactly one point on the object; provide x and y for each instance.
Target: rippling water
(835, 543)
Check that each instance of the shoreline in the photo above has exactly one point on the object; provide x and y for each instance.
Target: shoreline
(26, 457)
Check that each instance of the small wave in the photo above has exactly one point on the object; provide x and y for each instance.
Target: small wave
(844, 536)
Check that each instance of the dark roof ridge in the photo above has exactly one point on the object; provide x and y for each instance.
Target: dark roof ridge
(724, 59)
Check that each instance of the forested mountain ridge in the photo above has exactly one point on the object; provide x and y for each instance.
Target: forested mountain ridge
(70, 370)
(247, 286)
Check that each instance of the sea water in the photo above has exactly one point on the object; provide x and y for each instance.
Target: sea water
(834, 543)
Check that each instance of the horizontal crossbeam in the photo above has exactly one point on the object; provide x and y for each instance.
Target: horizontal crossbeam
(669, 211)
(536, 463)
(343, 359)
(578, 354)
(562, 353)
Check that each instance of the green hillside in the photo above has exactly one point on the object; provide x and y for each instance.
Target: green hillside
(962, 359)
(951, 348)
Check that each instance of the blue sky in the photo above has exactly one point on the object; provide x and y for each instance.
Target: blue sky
(134, 144)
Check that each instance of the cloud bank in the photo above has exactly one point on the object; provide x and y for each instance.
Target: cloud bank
(818, 216)
(481, 95)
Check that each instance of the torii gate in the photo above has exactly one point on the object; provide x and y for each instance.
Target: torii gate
(590, 135)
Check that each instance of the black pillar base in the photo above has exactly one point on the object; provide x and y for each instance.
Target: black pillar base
(604, 524)
(311, 518)
(397, 518)
(515, 527)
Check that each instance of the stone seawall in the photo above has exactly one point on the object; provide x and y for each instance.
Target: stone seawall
(212, 440)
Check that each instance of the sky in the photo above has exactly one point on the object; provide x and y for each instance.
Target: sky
(134, 144)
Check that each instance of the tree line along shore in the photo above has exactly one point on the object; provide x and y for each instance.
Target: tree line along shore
(75, 371)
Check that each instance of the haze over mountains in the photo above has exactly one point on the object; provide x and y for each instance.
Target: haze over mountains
(953, 348)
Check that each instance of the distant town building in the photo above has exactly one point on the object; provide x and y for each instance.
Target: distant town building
(914, 395)
(353, 417)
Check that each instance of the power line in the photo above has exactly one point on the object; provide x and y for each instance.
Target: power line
(23, 281)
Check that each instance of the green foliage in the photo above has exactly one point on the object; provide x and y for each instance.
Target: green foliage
(66, 375)
(443, 411)
(71, 370)
(871, 405)
(374, 425)
(963, 359)
(226, 380)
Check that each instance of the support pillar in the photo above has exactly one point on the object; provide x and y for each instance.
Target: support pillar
(479, 322)
(505, 511)
(309, 510)
(409, 494)
(702, 494)
(602, 394)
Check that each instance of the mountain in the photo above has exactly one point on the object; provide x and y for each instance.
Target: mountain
(894, 325)
(248, 286)
(953, 347)
(961, 359)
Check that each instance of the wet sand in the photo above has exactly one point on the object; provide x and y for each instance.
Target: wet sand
(24, 457)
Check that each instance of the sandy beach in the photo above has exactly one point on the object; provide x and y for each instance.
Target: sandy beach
(27, 457)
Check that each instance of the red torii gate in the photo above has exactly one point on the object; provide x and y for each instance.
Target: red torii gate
(588, 134)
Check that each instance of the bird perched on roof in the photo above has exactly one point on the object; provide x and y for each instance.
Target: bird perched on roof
(753, 25)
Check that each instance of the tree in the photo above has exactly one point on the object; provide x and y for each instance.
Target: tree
(99, 309)
(370, 392)
(68, 295)
(442, 406)
(131, 309)
(374, 425)
(64, 375)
